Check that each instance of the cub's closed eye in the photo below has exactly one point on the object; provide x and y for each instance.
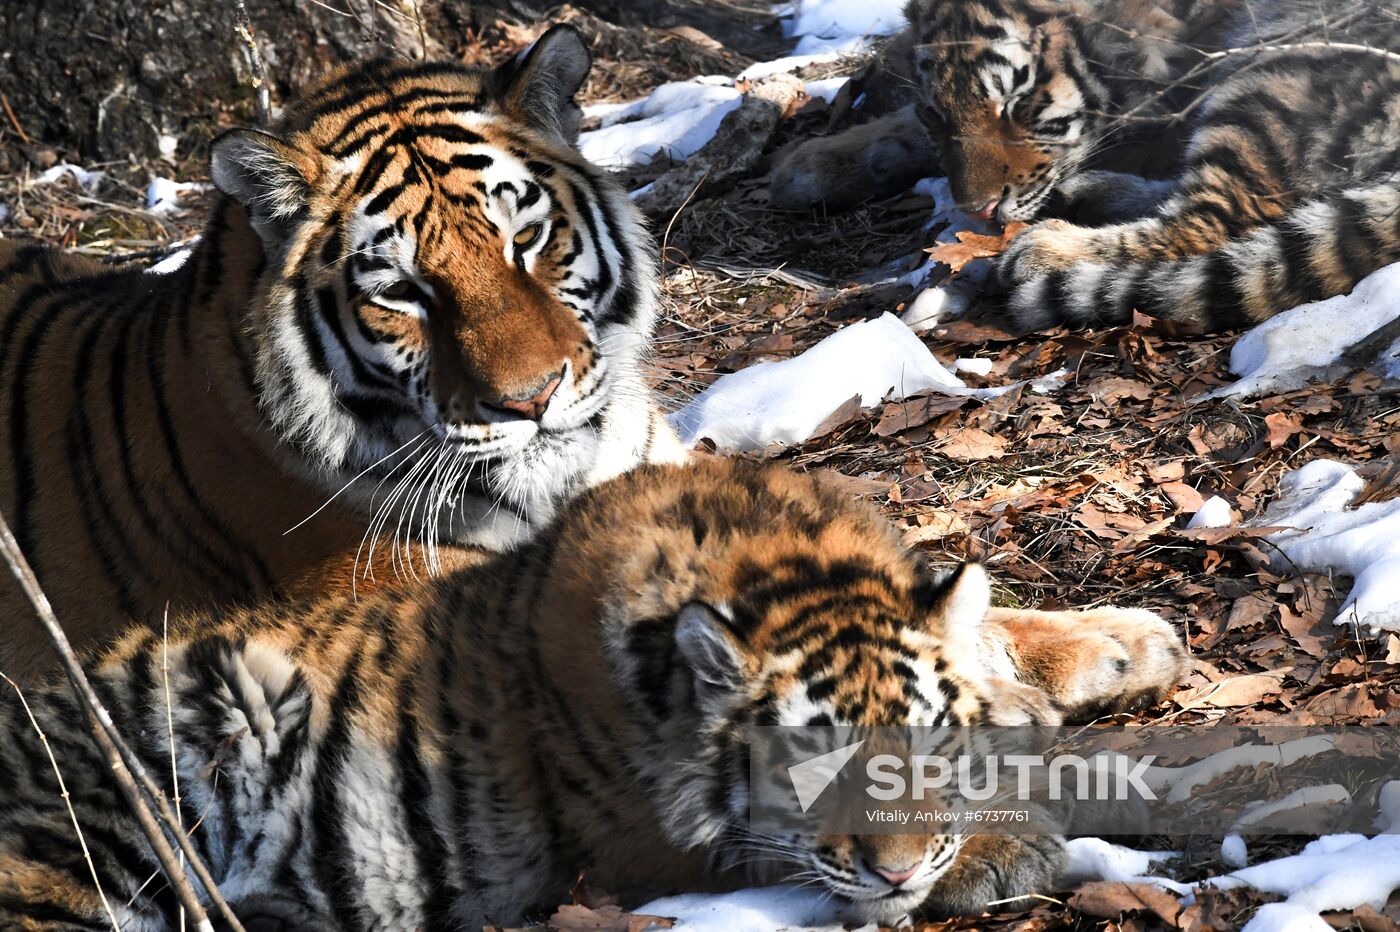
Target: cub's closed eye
(528, 235)
(399, 289)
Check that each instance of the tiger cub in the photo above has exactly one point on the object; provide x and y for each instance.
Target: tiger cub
(416, 314)
(453, 752)
(1286, 191)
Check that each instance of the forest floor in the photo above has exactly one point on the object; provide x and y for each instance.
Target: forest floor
(1074, 498)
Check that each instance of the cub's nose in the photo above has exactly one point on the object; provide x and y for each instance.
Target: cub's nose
(529, 404)
(894, 877)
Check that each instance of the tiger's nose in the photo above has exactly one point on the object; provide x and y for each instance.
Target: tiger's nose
(895, 877)
(529, 404)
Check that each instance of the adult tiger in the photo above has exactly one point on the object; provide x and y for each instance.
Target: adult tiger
(449, 754)
(1285, 192)
(415, 304)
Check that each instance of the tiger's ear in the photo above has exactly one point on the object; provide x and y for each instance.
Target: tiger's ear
(266, 175)
(703, 638)
(538, 85)
(955, 602)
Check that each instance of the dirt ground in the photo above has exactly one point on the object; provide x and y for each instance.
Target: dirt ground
(1075, 498)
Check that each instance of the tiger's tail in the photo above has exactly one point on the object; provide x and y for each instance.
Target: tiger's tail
(1321, 248)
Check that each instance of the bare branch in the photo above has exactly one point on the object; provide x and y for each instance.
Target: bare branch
(126, 769)
(262, 97)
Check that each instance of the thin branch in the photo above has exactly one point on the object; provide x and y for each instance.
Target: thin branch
(67, 801)
(122, 763)
(261, 96)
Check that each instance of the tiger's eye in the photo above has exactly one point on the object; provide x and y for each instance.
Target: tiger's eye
(528, 235)
(400, 289)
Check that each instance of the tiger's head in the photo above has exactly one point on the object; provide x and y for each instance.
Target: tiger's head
(1009, 97)
(444, 277)
(750, 597)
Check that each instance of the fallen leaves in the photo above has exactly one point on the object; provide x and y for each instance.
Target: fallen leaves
(970, 246)
(971, 444)
(1113, 900)
(1233, 692)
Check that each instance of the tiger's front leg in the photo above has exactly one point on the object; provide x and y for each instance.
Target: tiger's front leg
(1089, 662)
(993, 868)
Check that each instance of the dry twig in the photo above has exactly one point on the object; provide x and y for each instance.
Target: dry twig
(126, 769)
(261, 96)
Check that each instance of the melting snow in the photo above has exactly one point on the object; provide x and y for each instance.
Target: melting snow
(1283, 352)
(842, 18)
(676, 120)
(1325, 535)
(762, 909)
(163, 195)
(87, 180)
(784, 402)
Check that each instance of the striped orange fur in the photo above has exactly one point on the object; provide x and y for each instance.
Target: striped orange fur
(453, 752)
(415, 304)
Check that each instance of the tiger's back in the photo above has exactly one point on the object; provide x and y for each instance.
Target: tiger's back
(416, 318)
(453, 753)
(1274, 127)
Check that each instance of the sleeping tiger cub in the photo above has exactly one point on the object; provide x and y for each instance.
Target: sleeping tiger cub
(415, 304)
(452, 752)
(1287, 190)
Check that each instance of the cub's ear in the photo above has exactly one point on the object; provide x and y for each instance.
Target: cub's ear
(538, 85)
(263, 173)
(955, 602)
(703, 638)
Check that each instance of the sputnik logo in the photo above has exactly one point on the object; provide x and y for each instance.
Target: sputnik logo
(811, 777)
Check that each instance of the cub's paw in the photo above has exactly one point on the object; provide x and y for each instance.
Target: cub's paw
(1124, 659)
(993, 868)
(1049, 246)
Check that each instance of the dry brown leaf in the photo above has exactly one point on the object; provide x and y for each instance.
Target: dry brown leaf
(915, 412)
(972, 444)
(1113, 390)
(1392, 650)
(935, 525)
(1111, 899)
(1310, 632)
(1281, 427)
(974, 246)
(1232, 692)
(1185, 498)
(580, 918)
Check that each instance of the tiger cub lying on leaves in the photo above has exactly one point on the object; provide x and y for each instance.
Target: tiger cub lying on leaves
(1287, 191)
(452, 752)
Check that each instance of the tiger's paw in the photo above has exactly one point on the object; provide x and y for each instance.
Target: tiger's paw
(1125, 659)
(991, 869)
(1049, 246)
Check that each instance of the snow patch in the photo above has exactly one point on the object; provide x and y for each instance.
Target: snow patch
(973, 366)
(1214, 513)
(832, 18)
(1285, 351)
(163, 195)
(784, 402)
(1324, 535)
(676, 120)
(1090, 859)
(826, 88)
(762, 909)
(87, 180)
